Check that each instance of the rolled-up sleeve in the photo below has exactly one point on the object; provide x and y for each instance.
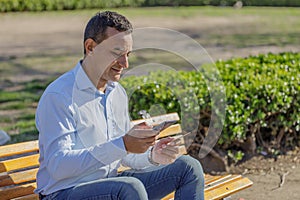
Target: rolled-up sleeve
(137, 161)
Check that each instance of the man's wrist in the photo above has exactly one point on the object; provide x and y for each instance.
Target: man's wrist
(150, 159)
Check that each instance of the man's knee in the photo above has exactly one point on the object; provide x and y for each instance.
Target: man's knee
(192, 166)
(132, 188)
(132, 183)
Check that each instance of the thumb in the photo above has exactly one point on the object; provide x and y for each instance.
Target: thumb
(163, 142)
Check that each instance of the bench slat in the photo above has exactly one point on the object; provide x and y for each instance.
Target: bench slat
(18, 191)
(19, 163)
(213, 179)
(18, 148)
(226, 190)
(172, 130)
(222, 181)
(28, 197)
(18, 177)
(221, 190)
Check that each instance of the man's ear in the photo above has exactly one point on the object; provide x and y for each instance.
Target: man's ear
(89, 45)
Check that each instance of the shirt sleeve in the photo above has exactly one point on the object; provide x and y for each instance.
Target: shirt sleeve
(134, 161)
(137, 161)
(57, 129)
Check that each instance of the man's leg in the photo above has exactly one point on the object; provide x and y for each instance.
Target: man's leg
(125, 188)
(185, 176)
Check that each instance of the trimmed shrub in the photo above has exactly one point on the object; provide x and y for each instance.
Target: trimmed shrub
(221, 2)
(262, 97)
(41, 5)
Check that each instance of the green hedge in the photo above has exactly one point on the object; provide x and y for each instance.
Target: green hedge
(41, 5)
(262, 95)
(221, 2)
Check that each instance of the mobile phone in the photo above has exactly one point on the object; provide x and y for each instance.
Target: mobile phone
(160, 127)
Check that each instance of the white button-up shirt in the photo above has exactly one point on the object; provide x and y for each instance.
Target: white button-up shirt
(80, 132)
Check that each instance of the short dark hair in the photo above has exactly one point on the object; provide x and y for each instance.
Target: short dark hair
(96, 27)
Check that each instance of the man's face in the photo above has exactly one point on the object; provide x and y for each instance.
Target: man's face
(120, 45)
(105, 61)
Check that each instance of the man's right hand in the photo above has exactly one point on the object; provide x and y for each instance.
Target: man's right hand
(166, 151)
(135, 140)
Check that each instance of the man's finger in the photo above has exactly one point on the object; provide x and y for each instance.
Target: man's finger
(170, 153)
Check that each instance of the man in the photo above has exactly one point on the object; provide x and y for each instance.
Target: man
(84, 130)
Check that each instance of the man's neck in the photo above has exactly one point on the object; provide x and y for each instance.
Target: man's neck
(101, 85)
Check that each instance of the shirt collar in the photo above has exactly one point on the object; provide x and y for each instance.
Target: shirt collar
(111, 84)
(82, 80)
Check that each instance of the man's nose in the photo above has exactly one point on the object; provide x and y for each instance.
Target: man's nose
(123, 61)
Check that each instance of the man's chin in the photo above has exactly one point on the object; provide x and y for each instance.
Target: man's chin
(116, 78)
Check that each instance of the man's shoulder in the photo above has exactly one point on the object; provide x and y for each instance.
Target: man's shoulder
(62, 86)
(120, 89)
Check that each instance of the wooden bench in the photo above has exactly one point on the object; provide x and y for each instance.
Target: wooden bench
(19, 165)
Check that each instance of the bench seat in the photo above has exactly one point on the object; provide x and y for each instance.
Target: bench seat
(19, 165)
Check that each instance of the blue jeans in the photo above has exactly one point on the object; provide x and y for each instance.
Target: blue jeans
(185, 176)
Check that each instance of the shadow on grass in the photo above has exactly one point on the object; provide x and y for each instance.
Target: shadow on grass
(255, 40)
(28, 135)
(20, 124)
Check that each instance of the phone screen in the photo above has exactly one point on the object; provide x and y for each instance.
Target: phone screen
(164, 125)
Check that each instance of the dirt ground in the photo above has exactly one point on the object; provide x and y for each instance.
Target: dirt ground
(272, 179)
(51, 34)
